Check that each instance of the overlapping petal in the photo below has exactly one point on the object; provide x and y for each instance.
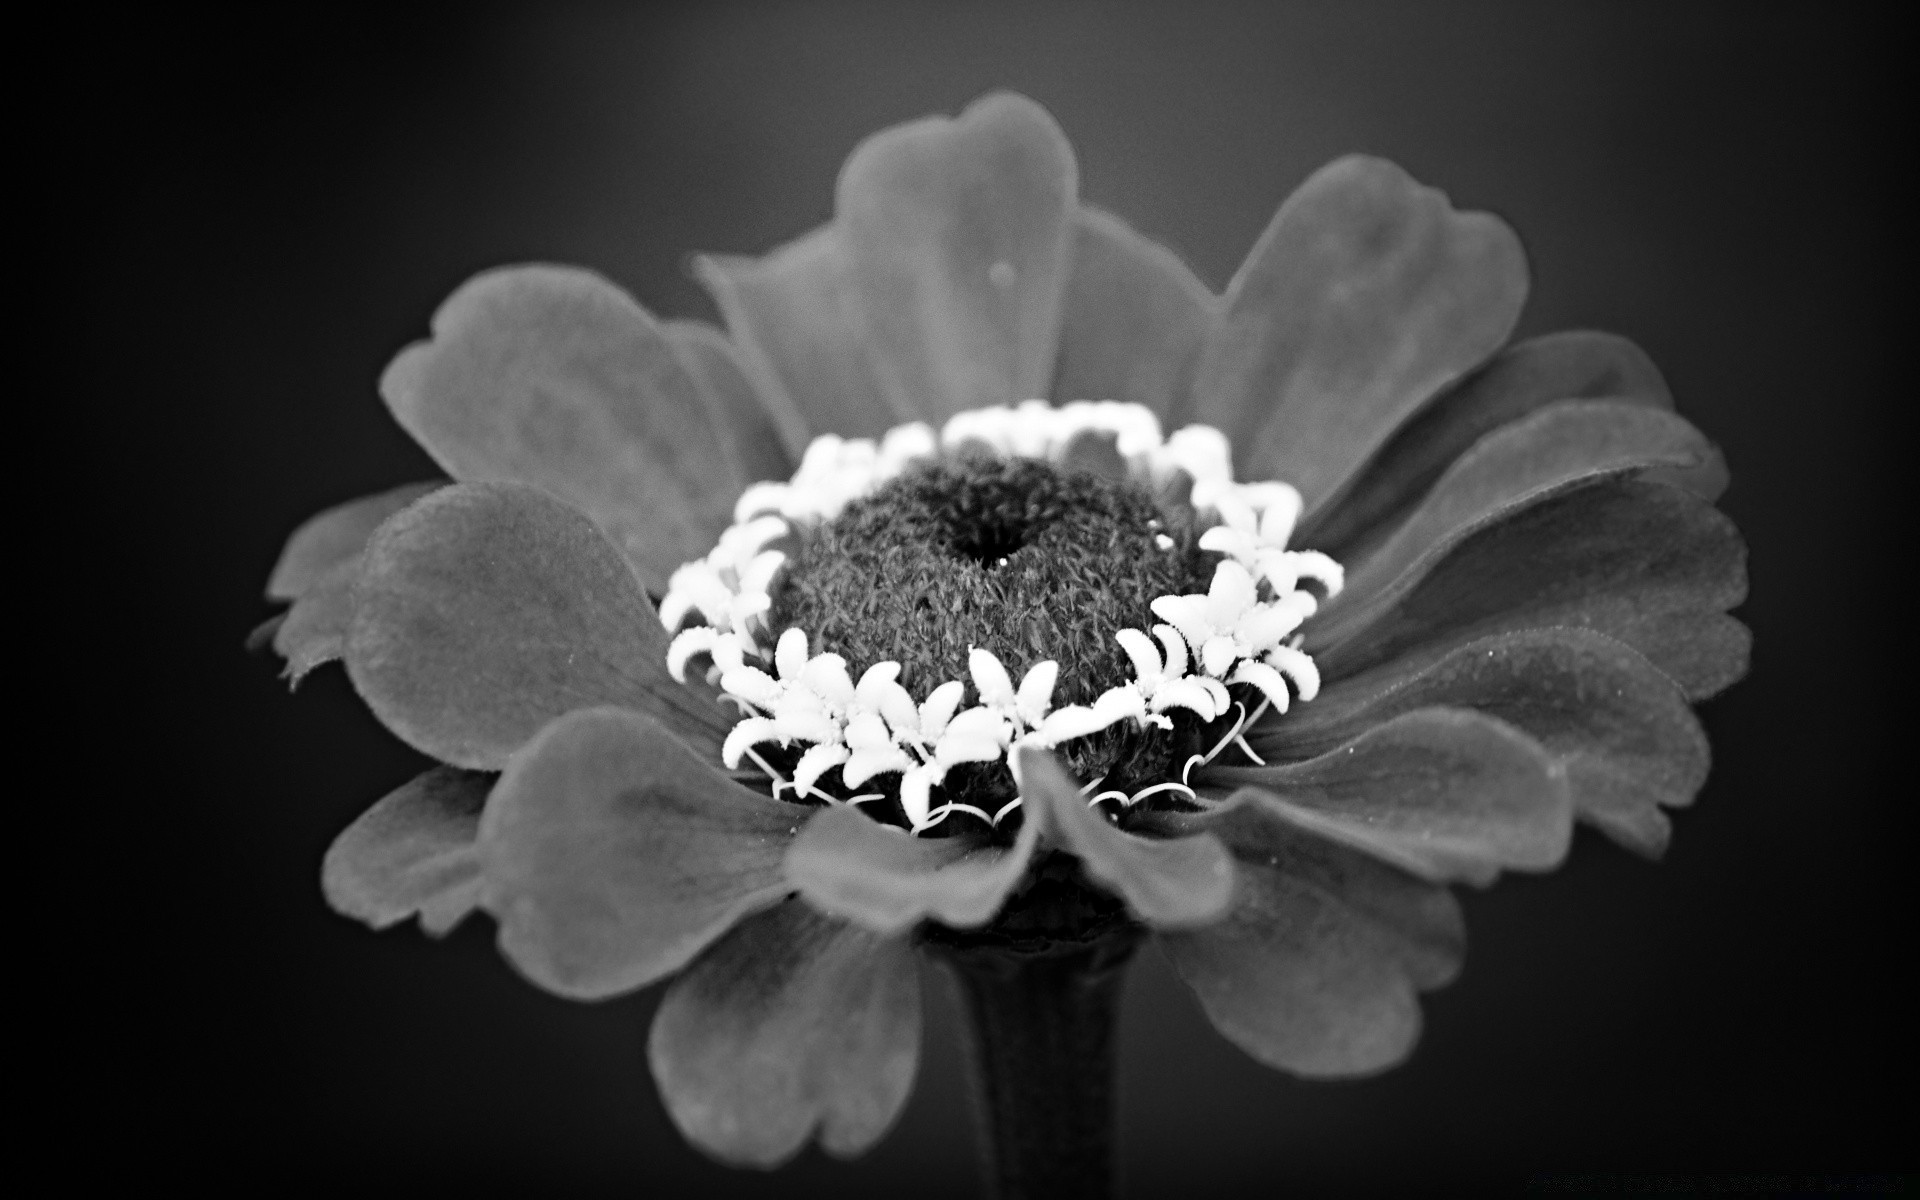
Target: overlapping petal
(1134, 320)
(313, 630)
(486, 610)
(1169, 883)
(1548, 451)
(1316, 966)
(412, 853)
(1528, 375)
(552, 376)
(613, 854)
(1366, 296)
(750, 436)
(879, 877)
(792, 1025)
(1645, 563)
(1448, 794)
(938, 288)
(316, 571)
(333, 537)
(1624, 732)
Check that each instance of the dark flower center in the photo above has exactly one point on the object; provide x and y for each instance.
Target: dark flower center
(1018, 557)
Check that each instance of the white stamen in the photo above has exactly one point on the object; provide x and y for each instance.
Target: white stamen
(1243, 631)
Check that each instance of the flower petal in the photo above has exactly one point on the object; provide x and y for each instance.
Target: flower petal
(1623, 731)
(1548, 451)
(1314, 968)
(990, 679)
(1449, 794)
(1365, 296)
(852, 867)
(314, 630)
(1134, 319)
(554, 377)
(958, 237)
(486, 610)
(802, 339)
(1647, 564)
(1577, 365)
(750, 436)
(411, 854)
(1169, 883)
(1036, 691)
(326, 540)
(791, 1023)
(612, 854)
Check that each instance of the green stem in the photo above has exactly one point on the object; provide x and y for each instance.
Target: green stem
(1043, 1034)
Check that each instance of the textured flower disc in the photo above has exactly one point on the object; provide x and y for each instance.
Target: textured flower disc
(1019, 557)
(1048, 539)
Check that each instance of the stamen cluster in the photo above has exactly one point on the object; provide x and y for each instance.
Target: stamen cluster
(1241, 631)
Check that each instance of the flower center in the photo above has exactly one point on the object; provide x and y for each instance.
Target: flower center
(1016, 557)
(1019, 557)
(1046, 538)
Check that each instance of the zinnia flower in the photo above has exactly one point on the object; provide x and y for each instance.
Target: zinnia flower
(991, 586)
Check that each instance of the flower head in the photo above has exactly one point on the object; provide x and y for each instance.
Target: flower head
(986, 543)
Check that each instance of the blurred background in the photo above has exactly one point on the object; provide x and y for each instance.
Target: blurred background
(272, 208)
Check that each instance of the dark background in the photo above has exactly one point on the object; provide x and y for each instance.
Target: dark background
(269, 211)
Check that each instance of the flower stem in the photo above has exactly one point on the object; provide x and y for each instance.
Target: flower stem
(1043, 1041)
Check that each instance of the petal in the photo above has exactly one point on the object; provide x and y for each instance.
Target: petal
(867, 731)
(486, 610)
(314, 630)
(1298, 667)
(331, 538)
(1141, 652)
(1449, 794)
(1134, 319)
(802, 339)
(1315, 967)
(981, 725)
(852, 867)
(792, 1023)
(790, 655)
(1176, 647)
(937, 709)
(1169, 883)
(612, 855)
(990, 679)
(817, 761)
(1230, 595)
(411, 853)
(1188, 693)
(863, 765)
(1548, 451)
(1623, 731)
(754, 731)
(753, 685)
(1528, 375)
(958, 241)
(826, 676)
(554, 377)
(1036, 691)
(1366, 295)
(1217, 655)
(1267, 679)
(1647, 564)
(878, 684)
(750, 436)
(1078, 720)
(1187, 614)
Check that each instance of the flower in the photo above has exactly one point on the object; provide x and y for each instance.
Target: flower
(716, 635)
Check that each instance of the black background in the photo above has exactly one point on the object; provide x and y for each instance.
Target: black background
(267, 211)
